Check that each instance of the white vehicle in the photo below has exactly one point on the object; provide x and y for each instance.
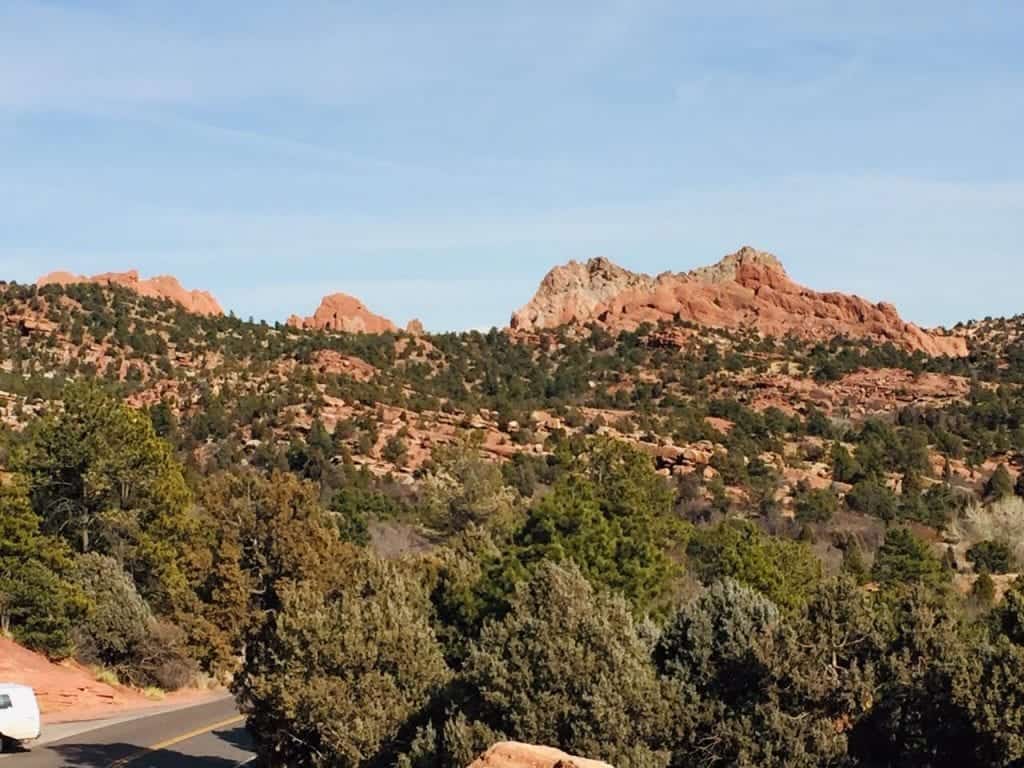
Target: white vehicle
(19, 715)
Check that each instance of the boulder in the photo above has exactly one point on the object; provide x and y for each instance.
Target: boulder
(343, 313)
(515, 755)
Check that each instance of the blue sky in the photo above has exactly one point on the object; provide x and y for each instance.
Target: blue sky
(436, 159)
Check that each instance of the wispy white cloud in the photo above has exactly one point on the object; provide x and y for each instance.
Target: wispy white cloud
(87, 58)
(82, 58)
(459, 149)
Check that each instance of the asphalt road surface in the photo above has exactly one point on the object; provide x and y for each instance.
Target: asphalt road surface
(206, 736)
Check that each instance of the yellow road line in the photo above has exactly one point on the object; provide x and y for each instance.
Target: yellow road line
(176, 740)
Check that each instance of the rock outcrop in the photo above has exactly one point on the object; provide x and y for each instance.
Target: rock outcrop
(514, 755)
(344, 313)
(748, 288)
(159, 287)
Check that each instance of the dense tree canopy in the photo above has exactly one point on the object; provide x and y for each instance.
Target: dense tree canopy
(786, 572)
(905, 560)
(336, 672)
(567, 666)
(38, 605)
(101, 479)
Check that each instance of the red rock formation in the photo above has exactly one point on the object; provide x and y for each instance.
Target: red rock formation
(415, 328)
(749, 288)
(341, 312)
(160, 287)
(514, 755)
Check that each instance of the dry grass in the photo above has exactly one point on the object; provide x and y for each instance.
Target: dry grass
(1000, 521)
(106, 676)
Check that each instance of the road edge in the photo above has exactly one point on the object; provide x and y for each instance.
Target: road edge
(61, 731)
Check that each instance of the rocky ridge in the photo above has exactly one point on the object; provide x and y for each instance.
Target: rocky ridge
(159, 287)
(746, 289)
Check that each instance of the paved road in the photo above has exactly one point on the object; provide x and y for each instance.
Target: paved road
(206, 736)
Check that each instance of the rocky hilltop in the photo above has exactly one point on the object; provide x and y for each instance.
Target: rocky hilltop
(159, 287)
(347, 314)
(749, 288)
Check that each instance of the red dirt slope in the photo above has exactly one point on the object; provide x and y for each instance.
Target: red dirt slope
(69, 692)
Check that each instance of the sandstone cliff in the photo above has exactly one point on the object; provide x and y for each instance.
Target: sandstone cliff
(748, 288)
(341, 312)
(160, 287)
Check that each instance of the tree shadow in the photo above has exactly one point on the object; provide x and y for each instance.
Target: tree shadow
(237, 737)
(125, 755)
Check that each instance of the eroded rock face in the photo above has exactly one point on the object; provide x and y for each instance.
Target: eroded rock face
(159, 287)
(515, 755)
(344, 313)
(749, 288)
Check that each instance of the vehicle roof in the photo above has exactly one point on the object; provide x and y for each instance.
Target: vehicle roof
(14, 687)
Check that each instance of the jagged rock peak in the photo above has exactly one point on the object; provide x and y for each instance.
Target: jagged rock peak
(572, 292)
(159, 287)
(593, 275)
(344, 313)
(729, 266)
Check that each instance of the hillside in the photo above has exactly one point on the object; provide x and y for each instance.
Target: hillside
(235, 389)
(525, 535)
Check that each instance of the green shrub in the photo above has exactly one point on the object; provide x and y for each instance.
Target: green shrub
(872, 498)
(567, 666)
(735, 668)
(983, 591)
(905, 560)
(37, 608)
(815, 505)
(118, 618)
(119, 632)
(992, 557)
(333, 675)
(784, 571)
(1000, 484)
